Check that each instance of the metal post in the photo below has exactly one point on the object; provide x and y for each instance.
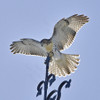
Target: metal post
(46, 77)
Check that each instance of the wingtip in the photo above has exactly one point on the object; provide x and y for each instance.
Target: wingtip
(82, 17)
(79, 15)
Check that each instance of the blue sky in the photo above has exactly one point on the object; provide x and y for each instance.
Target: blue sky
(20, 74)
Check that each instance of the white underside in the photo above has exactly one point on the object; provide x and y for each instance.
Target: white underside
(63, 64)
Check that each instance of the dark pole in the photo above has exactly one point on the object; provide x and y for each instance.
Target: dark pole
(46, 77)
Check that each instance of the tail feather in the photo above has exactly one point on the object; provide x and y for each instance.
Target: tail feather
(65, 65)
(60, 71)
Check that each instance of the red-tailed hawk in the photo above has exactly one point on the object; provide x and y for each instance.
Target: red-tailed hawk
(63, 35)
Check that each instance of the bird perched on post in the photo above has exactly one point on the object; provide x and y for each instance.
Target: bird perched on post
(63, 35)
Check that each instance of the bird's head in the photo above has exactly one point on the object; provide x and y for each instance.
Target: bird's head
(45, 41)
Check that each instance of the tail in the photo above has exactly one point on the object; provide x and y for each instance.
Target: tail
(65, 65)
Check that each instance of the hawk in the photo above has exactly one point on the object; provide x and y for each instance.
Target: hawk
(63, 35)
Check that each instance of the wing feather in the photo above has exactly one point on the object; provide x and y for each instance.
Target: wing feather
(65, 30)
(28, 47)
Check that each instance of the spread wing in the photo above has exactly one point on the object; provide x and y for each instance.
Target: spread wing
(65, 30)
(28, 47)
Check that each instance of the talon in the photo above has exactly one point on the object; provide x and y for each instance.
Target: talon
(51, 54)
